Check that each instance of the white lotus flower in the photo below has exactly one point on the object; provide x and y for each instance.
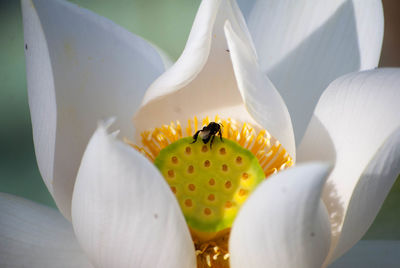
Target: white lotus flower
(82, 68)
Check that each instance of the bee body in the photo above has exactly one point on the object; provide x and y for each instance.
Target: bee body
(208, 133)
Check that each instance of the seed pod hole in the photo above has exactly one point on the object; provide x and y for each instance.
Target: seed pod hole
(191, 187)
(242, 192)
(174, 160)
(207, 211)
(188, 203)
(190, 169)
(211, 182)
(225, 167)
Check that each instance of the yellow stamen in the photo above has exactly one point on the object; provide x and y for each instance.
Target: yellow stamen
(196, 124)
(213, 253)
(271, 156)
(206, 121)
(259, 144)
(189, 128)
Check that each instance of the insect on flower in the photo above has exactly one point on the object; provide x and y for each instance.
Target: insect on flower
(208, 132)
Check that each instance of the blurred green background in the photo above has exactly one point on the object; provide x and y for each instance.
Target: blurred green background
(166, 23)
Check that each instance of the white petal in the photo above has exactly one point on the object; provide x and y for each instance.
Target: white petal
(303, 45)
(361, 113)
(165, 57)
(202, 82)
(124, 213)
(35, 236)
(262, 99)
(80, 68)
(371, 254)
(284, 223)
(370, 192)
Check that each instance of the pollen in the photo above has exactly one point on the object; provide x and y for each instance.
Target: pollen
(212, 183)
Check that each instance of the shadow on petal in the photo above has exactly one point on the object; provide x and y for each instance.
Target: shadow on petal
(303, 74)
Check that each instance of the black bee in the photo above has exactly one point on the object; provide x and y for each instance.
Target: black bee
(208, 132)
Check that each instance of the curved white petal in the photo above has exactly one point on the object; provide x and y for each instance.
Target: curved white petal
(35, 236)
(166, 59)
(124, 213)
(202, 82)
(80, 68)
(261, 98)
(303, 45)
(371, 254)
(361, 113)
(369, 194)
(284, 223)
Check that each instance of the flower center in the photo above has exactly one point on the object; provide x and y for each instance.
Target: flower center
(212, 177)
(210, 183)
